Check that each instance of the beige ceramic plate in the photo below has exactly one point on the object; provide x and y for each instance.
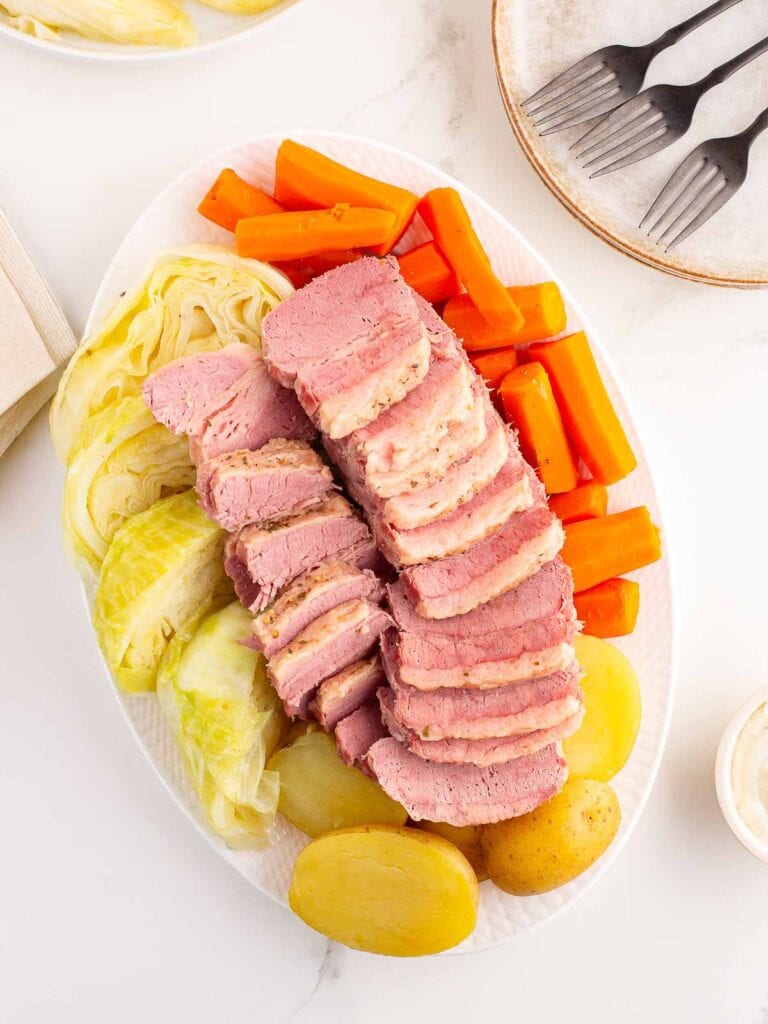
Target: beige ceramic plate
(535, 39)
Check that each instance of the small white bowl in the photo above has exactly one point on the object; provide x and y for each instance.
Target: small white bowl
(723, 779)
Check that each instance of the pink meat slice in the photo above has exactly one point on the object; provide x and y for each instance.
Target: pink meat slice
(508, 492)
(466, 794)
(483, 752)
(261, 560)
(279, 479)
(356, 734)
(182, 393)
(352, 343)
(329, 644)
(345, 692)
(306, 598)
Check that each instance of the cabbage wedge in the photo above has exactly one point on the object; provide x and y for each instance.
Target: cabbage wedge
(195, 299)
(121, 463)
(141, 22)
(227, 720)
(162, 572)
(240, 6)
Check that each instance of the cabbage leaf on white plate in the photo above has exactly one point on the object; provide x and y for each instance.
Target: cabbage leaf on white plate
(162, 572)
(121, 463)
(141, 22)
(227, 720)
(195, 299)
(239, 6)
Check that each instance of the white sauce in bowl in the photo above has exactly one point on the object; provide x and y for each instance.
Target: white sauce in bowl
(749, 774)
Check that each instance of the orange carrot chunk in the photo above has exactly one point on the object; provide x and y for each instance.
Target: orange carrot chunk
(541, 306)
(530, 407)
(426, 270)
(610, 608)
(588, 501)
(588, 414)
(599, 549)
(302, 271)
(307, 180)
(446, 217)
(230, 198)
(289, 236)
(494, 366)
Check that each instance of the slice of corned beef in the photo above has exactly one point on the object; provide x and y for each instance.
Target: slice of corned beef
(508, 492)
(356, 734)
(352, 343)
(264, 559)
(465, 794)
(330, 643)
(279, 479)
(182, 393)
(481, 752)
(524, 633)
(310, 595)
(459, 583)
(345, 692)
(460, 482)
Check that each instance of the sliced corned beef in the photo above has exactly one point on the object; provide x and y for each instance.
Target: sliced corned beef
(524, 633)
(278, 479)
(330, 643)
(352, 343)
(459, 583)
(460, 482)
(482, 752)
(356, 734)
(345, 692)
(182, 393)
(465, 794)
(508, 492)
(264, 559)
(310, 595)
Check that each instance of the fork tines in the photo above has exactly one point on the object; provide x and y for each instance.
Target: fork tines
(634, 131)
(584, 91)
(693, 194)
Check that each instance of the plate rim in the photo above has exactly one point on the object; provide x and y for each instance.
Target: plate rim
(593, 225)
(138, 54)
(102, 302)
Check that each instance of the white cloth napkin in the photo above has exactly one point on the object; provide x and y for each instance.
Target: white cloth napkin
(35, 338)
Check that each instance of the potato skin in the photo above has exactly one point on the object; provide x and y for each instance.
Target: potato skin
(387, 890)
(603, 743)
(555, 843)
(466, 837)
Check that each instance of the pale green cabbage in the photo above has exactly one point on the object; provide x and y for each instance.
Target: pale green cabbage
(142, 22)
(122, 462)
(239, 6)
(227, 721)
(162, 572)
(195, 299)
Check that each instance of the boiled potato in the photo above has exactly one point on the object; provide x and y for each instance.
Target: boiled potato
(319, 794)
(466, 837)
(607, 735)
(550, 846)
(396, 891)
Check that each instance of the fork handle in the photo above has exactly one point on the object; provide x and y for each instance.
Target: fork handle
(757, 127)
(674, 35)
(730, 67)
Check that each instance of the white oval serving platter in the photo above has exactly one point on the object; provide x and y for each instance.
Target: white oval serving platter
(171, 220)
(214, 28)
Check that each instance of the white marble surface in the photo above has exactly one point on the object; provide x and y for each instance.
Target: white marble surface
(111, 908)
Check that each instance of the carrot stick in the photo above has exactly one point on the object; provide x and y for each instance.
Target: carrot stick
(427, 272)
(302, 271)
(599, 549)
(229, 198)
(288, 236)
(588, 414)
(494, 366)
(588, 501)
(307, 180)
(530, 407)
(541, 306)
(610, 608)
(446, 217)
